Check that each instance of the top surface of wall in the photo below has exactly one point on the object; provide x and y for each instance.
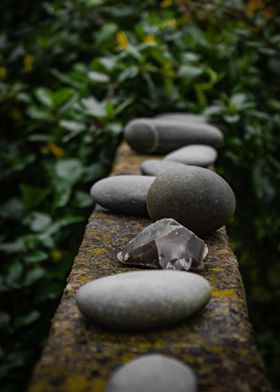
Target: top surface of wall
(217, 342)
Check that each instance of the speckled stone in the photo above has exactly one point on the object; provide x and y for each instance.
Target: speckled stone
(153, 373)
(196, 197)
(142, 300)
(160, 136)
(158, 167)
(125, 194)
(196, 155)
(185, 117)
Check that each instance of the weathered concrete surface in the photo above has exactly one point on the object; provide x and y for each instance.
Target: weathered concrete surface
(217, 343)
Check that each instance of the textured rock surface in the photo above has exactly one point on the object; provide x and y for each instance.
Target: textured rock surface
(158, 167)
(153, 373)
(165, 244)
(147, 135)
(197, 155)
(196, 197)
(140, 300)
(123, 194)
(217, 343)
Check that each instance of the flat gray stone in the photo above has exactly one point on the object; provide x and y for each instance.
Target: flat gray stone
(197, 198)
(153, 373)
(165, 244)
(143, 299)
(185, 117)
(160, 136)
(125, 194)
(195, 155)
(158, 167)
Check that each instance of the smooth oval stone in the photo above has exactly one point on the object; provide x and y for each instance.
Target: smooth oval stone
(186, 117)
(157, 167)
(147, 135)
(153, 373)
(195, 155)
(125, 194)
(143, 299)
(196, 197)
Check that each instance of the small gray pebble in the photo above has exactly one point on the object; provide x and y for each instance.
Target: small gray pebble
(185, 117)
(125, 194)
(153, 373)
(158, 167)
(195, 155)
(141, 300)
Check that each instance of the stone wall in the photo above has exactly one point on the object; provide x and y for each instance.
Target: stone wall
(217, 342)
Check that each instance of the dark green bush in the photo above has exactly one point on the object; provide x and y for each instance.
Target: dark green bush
(72, 73)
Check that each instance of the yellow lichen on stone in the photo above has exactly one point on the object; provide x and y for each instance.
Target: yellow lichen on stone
(76, 383)
(97, 385)
(98, 251)
(126, 357)
(223, 293)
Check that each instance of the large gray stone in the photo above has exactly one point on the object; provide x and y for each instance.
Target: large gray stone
(144, 299)
(147, 135)
(196, 155)
(158, 167)
(198, 198)
(153, 373)
(125, 194)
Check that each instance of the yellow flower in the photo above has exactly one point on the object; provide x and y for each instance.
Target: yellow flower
(166, 3)
(149, 39)
(56, 255)
(58, 152)
(3, 73)
(269, 12)
(122, 40)
(28, 63)
(253, 6)
(171, 24)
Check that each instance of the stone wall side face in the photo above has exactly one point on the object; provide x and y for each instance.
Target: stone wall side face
(217, 342)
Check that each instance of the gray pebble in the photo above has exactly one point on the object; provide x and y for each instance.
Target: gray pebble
(158, 136)
(185, 117)
(196, 155)
(153, 373)
(125, 194)
(158, 167)
(197, 198)
(143, 299)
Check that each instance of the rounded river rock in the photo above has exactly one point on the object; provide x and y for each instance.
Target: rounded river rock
(147, 135)
(158, 167)
(141, 300)
(197, 198)
(153, 373)
(195, 155)
(125, 194)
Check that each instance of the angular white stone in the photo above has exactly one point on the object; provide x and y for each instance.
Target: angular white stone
(144, 299)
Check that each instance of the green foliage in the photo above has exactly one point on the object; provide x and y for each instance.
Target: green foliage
(71, 75)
